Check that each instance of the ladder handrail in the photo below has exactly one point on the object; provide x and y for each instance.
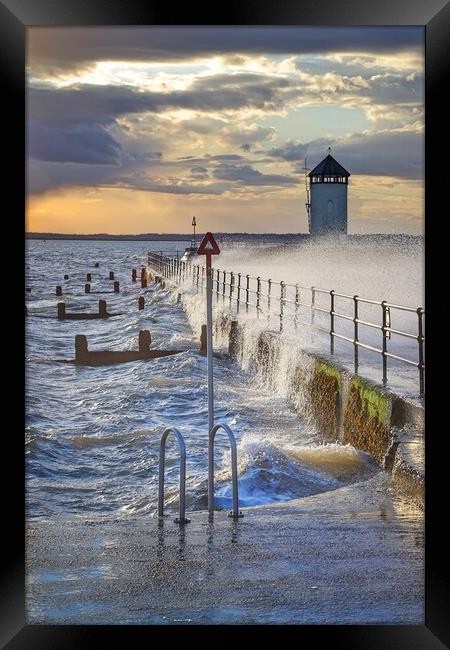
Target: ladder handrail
(162, 457)
(234, 480)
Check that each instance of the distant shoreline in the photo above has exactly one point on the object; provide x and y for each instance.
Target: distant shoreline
(155, 236)
(188, 236)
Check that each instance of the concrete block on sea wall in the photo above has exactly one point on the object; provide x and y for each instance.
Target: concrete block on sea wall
(325, 395)
(408, 470)
(367, 418)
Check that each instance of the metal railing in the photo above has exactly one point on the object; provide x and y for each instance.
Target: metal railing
(235, 513)
(167, 252)
(321, 310)
(162, 457)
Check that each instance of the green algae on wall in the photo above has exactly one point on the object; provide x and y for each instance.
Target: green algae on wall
(325, 388)
(367, 419)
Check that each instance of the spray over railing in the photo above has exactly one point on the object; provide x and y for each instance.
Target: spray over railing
(321, 310)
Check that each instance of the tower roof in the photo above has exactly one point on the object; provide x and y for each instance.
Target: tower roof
(329, 167)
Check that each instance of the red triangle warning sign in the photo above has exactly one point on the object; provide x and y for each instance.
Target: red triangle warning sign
(208, 246)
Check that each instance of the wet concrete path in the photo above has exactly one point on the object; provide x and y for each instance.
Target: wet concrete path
(353, 555)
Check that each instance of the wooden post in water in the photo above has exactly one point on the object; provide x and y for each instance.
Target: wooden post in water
(87, 288)
(203, 341)
(58, 291)
(179, 298)
(66, 277)
(81, 347)
(133, 275)
(145, 340)
(143, 281)
(102, 308)
(116, 287)
(88, 277)
(141, 302)
(61, 310)
(96, 265)
(111, 275)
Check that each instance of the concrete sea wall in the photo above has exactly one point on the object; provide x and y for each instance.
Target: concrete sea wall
(342, 407)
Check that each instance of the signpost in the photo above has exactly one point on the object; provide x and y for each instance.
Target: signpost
(209, 247)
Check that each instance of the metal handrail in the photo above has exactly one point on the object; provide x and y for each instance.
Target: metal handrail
(235, 513)
(281, 307)
(162, 457)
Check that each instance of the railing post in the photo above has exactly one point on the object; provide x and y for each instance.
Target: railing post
(420, 340)
(217, 283)
(247, 291)
(203, 277)
(231, 286)
(296, 305)
(332, 292)
(238, 300)
(224, 286)
(388, 322)
(282, 290)
(355, 333)
(198, 275)
(258, 294)
(383, 329)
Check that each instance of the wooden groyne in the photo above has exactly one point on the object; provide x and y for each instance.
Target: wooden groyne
(105, 357)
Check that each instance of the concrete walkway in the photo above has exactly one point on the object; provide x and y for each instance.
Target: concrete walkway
(353, 555)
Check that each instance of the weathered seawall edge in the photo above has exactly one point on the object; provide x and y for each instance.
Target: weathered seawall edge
(341, 406)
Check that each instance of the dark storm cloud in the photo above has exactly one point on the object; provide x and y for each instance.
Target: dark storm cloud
(82, 144)
(47, 176)
(248, 175)
(289, 151)
(399, 154)
(71, 48)
(224, 156)
(392, 153)
(199, 172)
(44, 177)
(103, 104)
(70, 124)
(170, 187)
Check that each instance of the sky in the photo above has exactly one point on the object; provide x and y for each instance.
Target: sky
(138, 129)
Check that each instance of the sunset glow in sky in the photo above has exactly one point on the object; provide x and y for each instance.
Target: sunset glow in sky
(135, 130)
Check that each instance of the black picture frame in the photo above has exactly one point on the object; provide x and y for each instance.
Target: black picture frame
(15, 17)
